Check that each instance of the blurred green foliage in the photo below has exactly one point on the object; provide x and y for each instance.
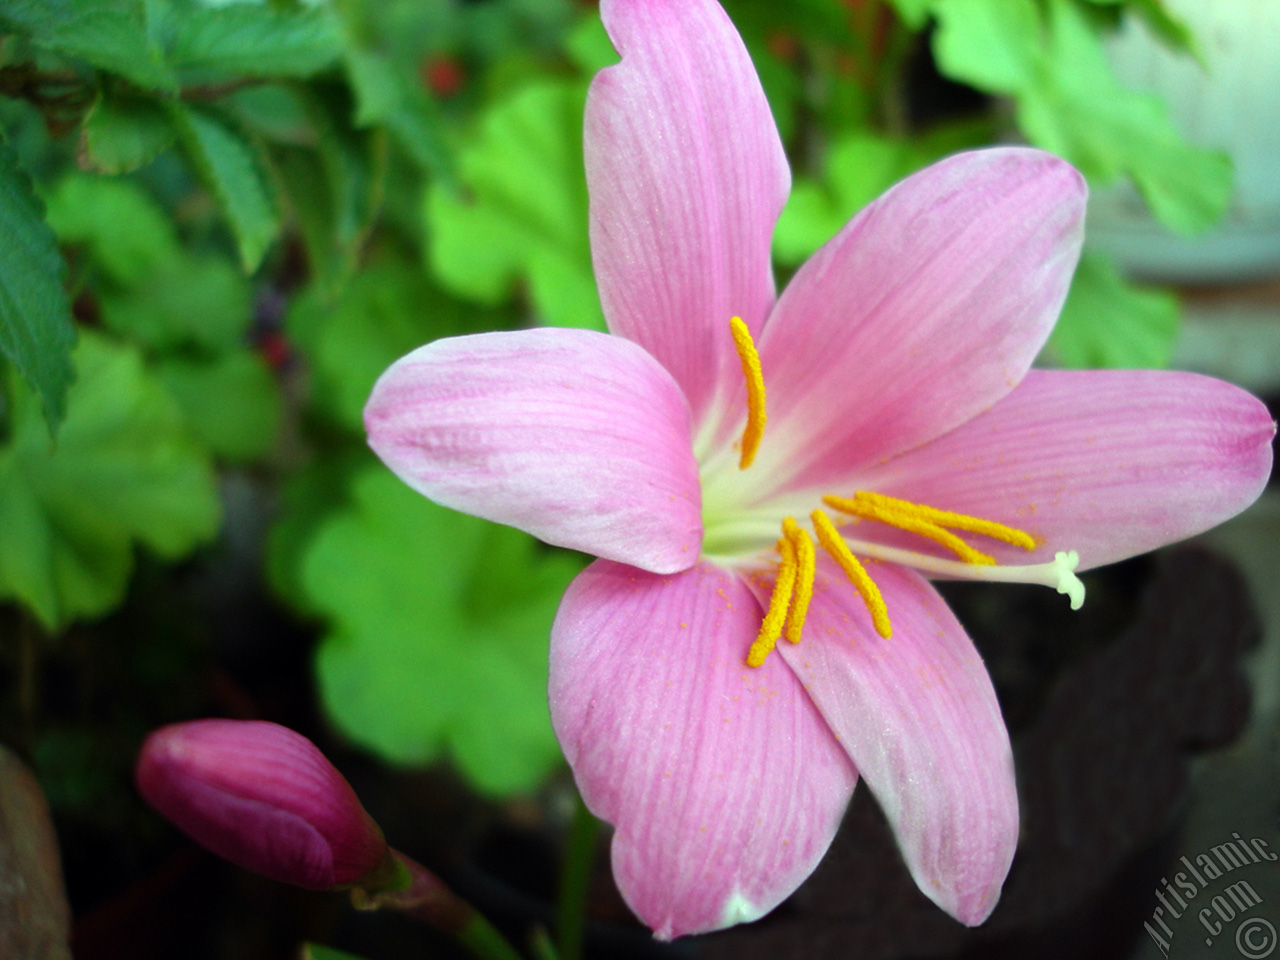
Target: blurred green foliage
(440, 641)
(124, 469)
(246, 211)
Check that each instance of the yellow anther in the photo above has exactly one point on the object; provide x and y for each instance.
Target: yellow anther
(755, 391)
(912, 523)
(778, 603)
(834, 544)
(954, 521)
(806, 566)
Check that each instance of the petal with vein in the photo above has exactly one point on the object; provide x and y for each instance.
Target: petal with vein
(687, 177)
(576, 437)
(723, 782)
(925, 310)
(1109, 463)
(919, 717)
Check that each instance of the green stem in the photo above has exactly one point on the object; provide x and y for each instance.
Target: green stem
(575, 882)
(541, 945)
(414, 890)
(899, 44)
(483, 939)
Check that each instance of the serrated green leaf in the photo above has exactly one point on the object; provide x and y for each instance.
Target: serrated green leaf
(439, 639)
(231, 402)
(526, 218)
(116, 35)
(230, 166)
(1049, 57)
(386, 96)
(124, 131)
(124, 471)
(1109, 322)
(200, 301)
(124, 230)
(36, 332)
(335, 189)
(248, 40)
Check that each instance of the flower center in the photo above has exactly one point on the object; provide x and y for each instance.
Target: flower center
(793, 588)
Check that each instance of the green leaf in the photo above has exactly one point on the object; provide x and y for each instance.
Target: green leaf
(588, 45)
(308, 499)
(335, 189)
(859, 167)
(200, 301)
(914, 13)
(388, 97)
(526, 217)
(232, 402)
(249, 40)
(36, 332)
(386, 311)
(116, 35)
(992, 44)
(1076, 108)
(439, 639)
(1169, 29)
(1049, 57)
(124, 230)
(230, 167)
(124, 471)
(1109, 322)
(124, 131)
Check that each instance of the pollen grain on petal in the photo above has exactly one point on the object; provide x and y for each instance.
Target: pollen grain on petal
(754, 375)
(834, 544)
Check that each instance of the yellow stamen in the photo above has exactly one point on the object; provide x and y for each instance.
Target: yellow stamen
(832, 542)
(912, 523)
(806, 566)
(755, 391)
(778, 602)
(954, 521)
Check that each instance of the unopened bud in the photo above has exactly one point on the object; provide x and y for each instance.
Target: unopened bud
(265, 798)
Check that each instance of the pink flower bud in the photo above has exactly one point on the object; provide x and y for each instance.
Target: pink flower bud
(263, 797)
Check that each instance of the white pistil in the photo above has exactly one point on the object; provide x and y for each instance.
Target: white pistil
(1058, 573)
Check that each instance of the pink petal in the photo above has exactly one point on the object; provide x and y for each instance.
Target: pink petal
(1109, 463)
(724, 784)
(687, 177)
(918, 716)
(926, 309)
(576, 437)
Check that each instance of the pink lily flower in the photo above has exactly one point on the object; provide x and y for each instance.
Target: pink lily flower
(905, 432)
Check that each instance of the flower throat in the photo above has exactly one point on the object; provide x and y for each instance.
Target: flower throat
(793, 588)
